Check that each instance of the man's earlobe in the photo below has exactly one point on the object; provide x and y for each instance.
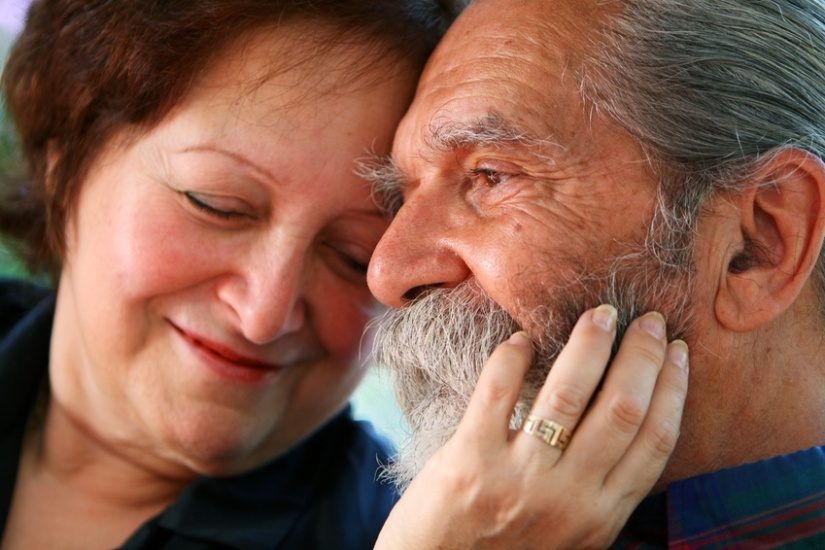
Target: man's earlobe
(782, 225)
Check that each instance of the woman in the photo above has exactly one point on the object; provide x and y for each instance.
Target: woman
(192, 191)
(192, 178)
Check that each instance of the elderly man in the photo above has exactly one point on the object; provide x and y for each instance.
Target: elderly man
(649, 153)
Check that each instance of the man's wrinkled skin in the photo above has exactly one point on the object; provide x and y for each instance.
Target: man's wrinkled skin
(547, 187)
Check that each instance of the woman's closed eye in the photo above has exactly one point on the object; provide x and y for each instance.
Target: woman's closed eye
(349, 260)
(355, 264)
(224, 208)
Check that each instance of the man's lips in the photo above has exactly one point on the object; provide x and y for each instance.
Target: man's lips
(223, 352)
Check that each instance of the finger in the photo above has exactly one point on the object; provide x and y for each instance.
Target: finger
(495, 395)
(618, 412)
(578, 369)
(648, 454)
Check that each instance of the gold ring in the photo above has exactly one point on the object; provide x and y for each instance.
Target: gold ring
(552, 433)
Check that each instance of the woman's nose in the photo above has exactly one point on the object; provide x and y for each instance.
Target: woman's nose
(267, 295)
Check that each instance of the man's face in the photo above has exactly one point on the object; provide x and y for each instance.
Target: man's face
(517, 195)
(508, 178)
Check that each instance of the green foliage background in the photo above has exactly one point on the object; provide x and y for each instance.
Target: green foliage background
(9, 158)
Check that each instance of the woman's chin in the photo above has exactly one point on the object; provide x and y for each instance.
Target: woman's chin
(214, 446)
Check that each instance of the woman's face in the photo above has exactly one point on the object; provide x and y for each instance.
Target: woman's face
(214, 295)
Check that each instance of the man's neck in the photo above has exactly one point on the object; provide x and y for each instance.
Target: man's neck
(753, 397)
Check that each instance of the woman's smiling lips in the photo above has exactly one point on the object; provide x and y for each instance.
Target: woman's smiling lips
(227, 362)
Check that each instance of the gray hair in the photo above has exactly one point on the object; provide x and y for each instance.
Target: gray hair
(711, 88)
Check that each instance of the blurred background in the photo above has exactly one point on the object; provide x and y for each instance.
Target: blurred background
(12, 13)
(374, 400)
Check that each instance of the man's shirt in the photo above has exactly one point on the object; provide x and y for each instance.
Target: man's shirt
(778, 502)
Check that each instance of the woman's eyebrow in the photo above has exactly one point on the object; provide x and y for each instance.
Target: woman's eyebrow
(237, 157)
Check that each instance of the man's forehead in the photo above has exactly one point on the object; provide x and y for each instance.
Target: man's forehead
(552, 27)
(502, 67)
(503, 76)
(474, 115)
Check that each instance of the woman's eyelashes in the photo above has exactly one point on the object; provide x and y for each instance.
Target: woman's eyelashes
(354, 264)
(218, 207)
(348, 259)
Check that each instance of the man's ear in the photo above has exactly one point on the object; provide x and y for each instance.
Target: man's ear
(782, 225)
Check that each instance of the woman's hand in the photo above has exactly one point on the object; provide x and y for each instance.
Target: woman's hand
(490, 486)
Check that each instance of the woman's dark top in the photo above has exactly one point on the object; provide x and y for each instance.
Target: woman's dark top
(321, 494)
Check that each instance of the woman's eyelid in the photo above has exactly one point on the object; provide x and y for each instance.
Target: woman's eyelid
(354, 251)
(353, 257)
(220, 190)
(224, 206)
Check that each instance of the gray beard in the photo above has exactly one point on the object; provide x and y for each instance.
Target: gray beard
(437, 346)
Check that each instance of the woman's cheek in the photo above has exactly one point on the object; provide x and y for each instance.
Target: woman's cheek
(166, 252)
(341, 312)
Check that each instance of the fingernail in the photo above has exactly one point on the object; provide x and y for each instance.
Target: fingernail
(654, 324)
(519, 339)
(677, 352)
(605, 317)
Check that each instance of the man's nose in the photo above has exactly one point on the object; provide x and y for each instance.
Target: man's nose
(266, 294)
(417, 252)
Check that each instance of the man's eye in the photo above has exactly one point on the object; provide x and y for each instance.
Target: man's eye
(489, 177)
(204, 205)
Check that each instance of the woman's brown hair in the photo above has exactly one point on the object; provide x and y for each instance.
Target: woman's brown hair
(84, 69)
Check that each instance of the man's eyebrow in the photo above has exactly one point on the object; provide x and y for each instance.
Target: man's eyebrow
(386, 182)
(489, 130)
